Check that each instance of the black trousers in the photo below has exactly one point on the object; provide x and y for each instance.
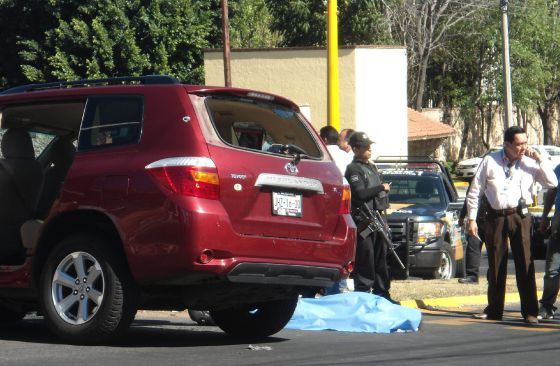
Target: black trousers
(371, 271)
(472, 256)
(517, 229)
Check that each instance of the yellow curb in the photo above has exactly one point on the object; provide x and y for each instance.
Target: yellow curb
(460, 184)
(457, 301)
(539, 209)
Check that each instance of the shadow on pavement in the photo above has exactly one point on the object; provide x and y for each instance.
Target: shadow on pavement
(142, 333)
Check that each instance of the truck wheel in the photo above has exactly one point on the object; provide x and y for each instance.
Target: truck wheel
(447, 267)
(258, 320)
(87, 296)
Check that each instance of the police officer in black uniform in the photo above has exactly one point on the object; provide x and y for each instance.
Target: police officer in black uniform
(371, 271)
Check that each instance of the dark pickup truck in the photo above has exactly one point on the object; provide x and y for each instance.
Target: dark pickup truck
(423, 218)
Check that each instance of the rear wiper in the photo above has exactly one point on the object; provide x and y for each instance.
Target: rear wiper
(298, 153)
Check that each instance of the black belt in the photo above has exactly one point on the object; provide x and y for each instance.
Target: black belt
(503, 212)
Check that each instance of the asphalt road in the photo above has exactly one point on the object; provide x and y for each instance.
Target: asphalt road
(446, 337)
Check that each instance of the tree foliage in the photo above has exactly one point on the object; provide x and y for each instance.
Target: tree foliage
(453, 46)
(116, 37)
(300, 22)
(535, 50)
(251, 25)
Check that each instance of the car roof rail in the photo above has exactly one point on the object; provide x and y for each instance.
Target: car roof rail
(123, 80)
(406, 159)
(418, 160)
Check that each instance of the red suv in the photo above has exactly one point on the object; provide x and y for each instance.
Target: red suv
(144, 193)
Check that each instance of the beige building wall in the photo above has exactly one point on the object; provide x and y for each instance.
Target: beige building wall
(372, 84)
(299, 74)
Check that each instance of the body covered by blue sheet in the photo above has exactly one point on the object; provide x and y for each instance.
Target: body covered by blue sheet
(354, 312)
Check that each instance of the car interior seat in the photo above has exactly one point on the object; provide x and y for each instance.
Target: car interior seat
(60, 157)
(21, 181)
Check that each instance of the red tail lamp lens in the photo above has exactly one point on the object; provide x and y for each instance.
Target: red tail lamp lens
(188, 176)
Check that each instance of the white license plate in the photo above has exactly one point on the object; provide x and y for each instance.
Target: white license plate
(286, 204)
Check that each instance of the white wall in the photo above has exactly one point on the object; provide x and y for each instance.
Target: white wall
(372, 86)
(381, 100)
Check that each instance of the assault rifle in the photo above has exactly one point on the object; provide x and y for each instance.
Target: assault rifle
(373, 222)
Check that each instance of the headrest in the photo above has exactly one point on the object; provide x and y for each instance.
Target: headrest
(62, 153)
(17, 144)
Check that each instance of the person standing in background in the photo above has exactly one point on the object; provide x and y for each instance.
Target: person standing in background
(506, 177)
(330, 137)
(343, 139)
(474, 243)
(371, 272)
(551, 277)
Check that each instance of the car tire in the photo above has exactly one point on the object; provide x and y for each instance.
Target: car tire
(87, 296)
(256, 321)
(448, 266)
(10, 316)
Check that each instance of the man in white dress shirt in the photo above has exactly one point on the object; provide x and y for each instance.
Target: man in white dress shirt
(506, 178)
(341, 158)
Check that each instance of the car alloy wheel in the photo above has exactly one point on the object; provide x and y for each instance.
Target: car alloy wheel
(87, 294)
(78, 285)
(446, 266)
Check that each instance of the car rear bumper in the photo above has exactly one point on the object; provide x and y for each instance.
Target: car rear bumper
(284, 274)
(467, 173)
(242, 258)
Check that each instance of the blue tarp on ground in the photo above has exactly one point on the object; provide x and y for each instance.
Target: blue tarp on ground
(354, 312)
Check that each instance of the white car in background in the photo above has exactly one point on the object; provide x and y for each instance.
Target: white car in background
(466, 169)
(550, 152)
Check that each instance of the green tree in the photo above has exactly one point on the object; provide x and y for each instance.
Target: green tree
(304, 22)
(363, 22)
(251, 25)
(535, 51)
(20, 21)
(465, 77)
(109, 38)
(299, 22)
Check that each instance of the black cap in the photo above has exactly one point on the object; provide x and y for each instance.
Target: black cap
(359, 139)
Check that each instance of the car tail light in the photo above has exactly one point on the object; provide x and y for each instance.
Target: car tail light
(187, 176)
(345, 201)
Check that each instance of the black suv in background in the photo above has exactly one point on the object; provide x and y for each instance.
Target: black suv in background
(423, 218)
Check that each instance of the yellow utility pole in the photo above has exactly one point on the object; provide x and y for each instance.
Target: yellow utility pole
(333, 99)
